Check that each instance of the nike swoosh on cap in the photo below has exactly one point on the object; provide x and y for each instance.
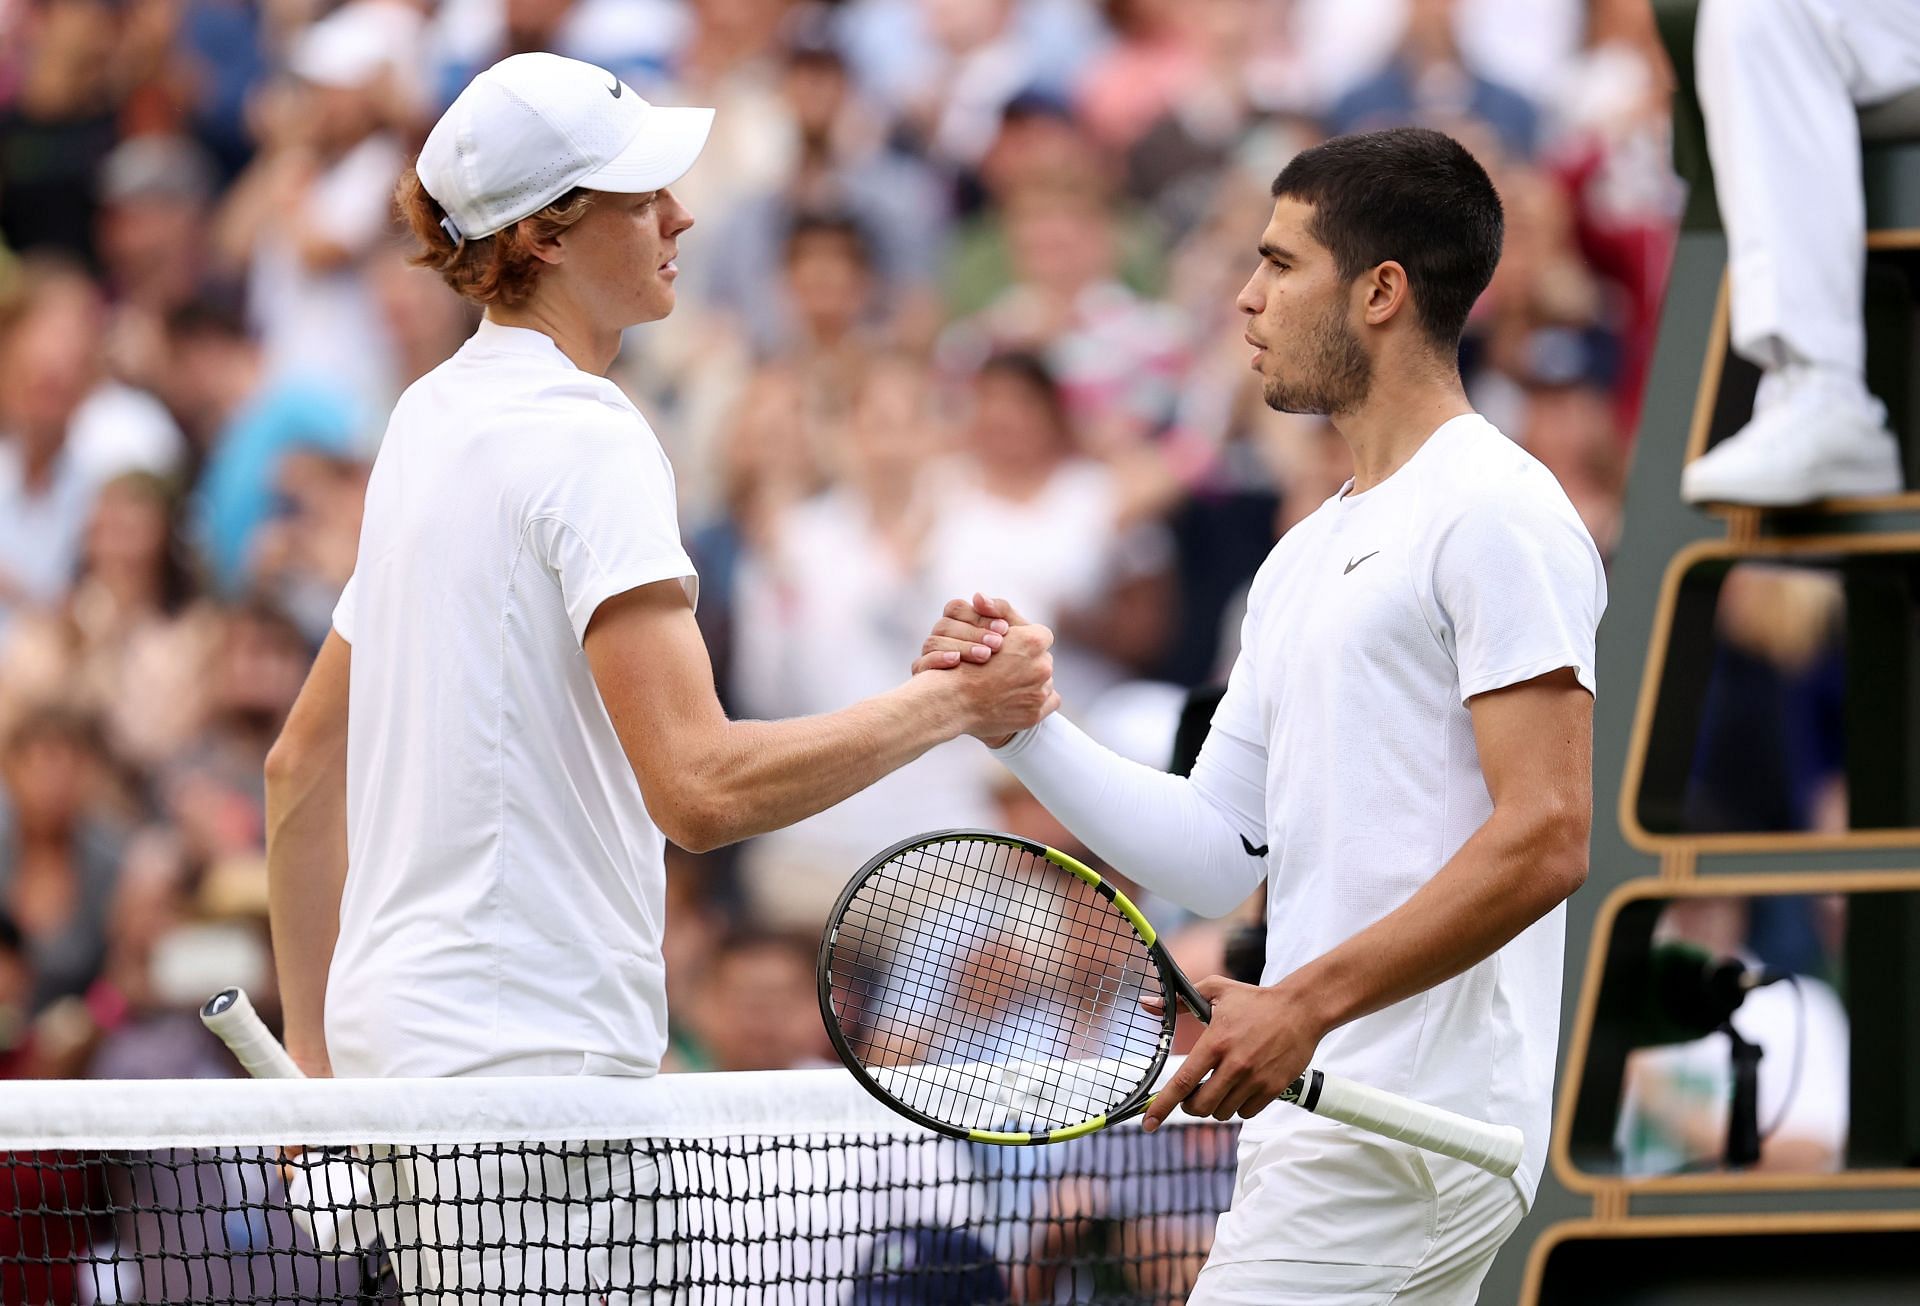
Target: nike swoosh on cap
(616, 88)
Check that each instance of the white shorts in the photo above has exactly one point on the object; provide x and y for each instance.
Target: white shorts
(1353, 1220)
(521, 1223)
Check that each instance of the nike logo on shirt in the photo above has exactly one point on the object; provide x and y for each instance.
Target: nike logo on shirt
(1357, 561)
(1247, 843)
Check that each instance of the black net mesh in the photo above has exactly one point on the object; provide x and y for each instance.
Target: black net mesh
(1121, 1216)
(990, 989)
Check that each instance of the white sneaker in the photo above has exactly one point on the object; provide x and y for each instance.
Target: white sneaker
(1811, 437)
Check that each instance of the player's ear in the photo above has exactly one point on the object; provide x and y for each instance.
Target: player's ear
(1384, 292)
(541, 244)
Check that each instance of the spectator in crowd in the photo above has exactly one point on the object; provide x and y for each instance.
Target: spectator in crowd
(156, 193)
(1117, 355)
(1041, 147)
(77, 61)
(245, 419)
(636, 40)
(160, 966)
(1247, 79)
(65, 428)
(829, 280)
(841, 163)
(212, 790)
(1153, 65)
(304, 555)
(1025, 512)
(59, 850)
(316, 204)
(866, 550)
(974, 60)
(1779, 85)
(757, 1007)
(425, 322)
(126, 645)
(729, 60)
(1429, 82)
(1572, 426)
(1609, 145)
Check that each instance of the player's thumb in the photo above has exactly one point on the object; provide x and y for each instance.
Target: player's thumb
(1213, 986)
(1000, 608)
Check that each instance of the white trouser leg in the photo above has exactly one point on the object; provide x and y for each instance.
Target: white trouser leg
(1779, 81)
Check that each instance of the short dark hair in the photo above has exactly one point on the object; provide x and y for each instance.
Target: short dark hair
(208, 317)
(1029, 369)
(1409, 195)
(744, 939)
(831, 225)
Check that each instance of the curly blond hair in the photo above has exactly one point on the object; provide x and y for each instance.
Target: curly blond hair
(497, 269)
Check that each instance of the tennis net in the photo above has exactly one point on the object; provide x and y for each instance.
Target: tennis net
(789, 1187)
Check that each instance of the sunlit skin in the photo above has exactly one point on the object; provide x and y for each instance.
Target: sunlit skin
(613, 269)
(1305, 346)
(1352, 350)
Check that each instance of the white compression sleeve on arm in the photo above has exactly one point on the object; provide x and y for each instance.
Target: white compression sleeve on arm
(1199, 841)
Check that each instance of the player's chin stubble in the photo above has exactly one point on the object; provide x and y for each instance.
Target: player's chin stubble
(1338, 373)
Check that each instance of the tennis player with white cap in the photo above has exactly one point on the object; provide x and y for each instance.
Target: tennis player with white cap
(469, 804)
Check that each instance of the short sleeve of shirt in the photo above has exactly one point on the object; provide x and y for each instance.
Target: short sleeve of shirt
(1238, 712)
(1518, 589)
(343, 612)
(608, 523)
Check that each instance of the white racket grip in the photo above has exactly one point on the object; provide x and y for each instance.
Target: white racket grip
(1494, 1148)
(330, 1201)
(232, 1017)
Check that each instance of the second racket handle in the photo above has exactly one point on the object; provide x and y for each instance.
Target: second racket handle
(229, 1014)
(1494, 1148)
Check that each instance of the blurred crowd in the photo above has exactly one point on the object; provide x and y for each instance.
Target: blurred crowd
(957, 314)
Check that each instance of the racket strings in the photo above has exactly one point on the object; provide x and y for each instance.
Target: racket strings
(985, 987)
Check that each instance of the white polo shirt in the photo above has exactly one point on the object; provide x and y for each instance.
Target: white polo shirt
(1368, 629)
(506, 887)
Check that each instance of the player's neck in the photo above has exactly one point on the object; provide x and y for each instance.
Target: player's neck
(1396, 419)
(587, 348)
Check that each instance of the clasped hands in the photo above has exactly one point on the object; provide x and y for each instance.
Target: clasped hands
(1003, 671)
(1260, 1039)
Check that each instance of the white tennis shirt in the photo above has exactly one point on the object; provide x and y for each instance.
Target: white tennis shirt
(1344, 746)
(1368, 629)
(506, 887)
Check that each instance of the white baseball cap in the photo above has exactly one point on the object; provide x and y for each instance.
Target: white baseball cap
(534, 126)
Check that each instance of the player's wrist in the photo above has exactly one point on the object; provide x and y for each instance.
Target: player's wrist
(309, 1053)
(939, 704)
(1315, 1004)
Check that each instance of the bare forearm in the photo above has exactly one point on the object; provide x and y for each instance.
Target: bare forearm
(306, 872)
(757, 776)
(1507, 876)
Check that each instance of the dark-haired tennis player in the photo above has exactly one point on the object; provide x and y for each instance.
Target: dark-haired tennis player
(469, 805)
(1403, 755)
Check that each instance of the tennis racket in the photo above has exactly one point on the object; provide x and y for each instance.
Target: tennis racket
(989, 987)
(332, 1200)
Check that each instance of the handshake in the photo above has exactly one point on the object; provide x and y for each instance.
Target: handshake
(994, 669)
